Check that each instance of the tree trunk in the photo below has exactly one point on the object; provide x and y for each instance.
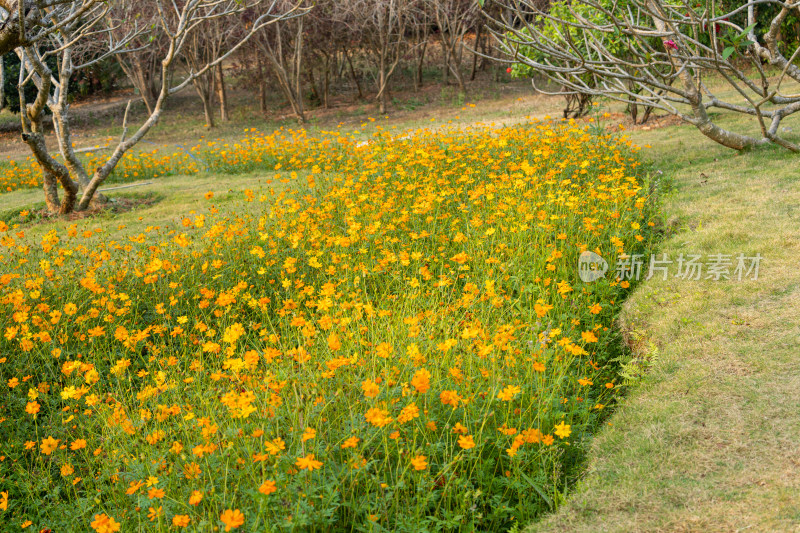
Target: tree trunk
(326, 81)
(353, 75)
(262, 87)
(205, 90)
(52, 170)
(208, 112)
(420, 63)
(445, 60)
(648, 110)
(2, 83)
(485, 51)
(222, 94)
(51, 192)
(382, 86)
(136, 74)
(475, 54)
(455, 64)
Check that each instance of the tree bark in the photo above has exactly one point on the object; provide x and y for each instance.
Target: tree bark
(353, 75)
(475, 54)
(421, 63)
(445, 60)
(205, 90)
(262, 87)
(2, 83)
(222, 94)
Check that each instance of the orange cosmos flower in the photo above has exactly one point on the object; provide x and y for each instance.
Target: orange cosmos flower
(133, 486)
(460, 429)
(449, 397)
(378, 417)
(370, 388)
(508, 393)
(308, 462)
(350, 443)
(589, 336)
(196, 497)
(267, 488)
(155, 512)
(409, 412)
(48, 445)
(232, 519)
(275, 446)
(181, 520)
(104, 524)
(420, 462)
(421, 381)
(466, 442)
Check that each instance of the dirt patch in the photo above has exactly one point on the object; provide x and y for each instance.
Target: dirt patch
(653, 123)
(116, 205)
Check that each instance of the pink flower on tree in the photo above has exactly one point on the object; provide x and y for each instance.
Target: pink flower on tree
(671, 44)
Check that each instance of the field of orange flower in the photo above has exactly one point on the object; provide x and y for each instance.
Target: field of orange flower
(287, 149)
(399, 341)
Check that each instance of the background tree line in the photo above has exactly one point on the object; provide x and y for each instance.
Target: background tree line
(649, 54)
(362, 46)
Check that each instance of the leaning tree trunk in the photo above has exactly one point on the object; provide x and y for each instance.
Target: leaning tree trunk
(33, 133)
(382, 98)
(445, 59)
(353, 74)
(52, 171)
(421, 63)
(222, 94)
(456, 57)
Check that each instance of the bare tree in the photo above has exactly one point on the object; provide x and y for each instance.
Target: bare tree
(454, 19)
(325, 39)
(422, 21)
(678, 57)
(201, 48)
(282, 45)
(383, 25)
(141, 63)
(44, 28)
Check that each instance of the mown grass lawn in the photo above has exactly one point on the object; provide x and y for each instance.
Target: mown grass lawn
(708, 440)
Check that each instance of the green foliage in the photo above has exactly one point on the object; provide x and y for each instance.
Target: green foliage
(11, 63)
(561, 29)
(100, 78)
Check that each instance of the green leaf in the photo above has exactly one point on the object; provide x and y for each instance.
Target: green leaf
(538, 489)
(748, 29)
(727, 52)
